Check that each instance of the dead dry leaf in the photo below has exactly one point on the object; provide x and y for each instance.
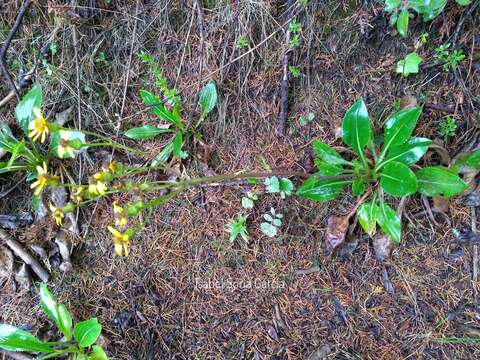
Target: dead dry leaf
(23, 277)
(440, 203)
(408, 101)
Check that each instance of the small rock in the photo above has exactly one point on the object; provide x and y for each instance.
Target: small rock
(321, 353)
(382, 246)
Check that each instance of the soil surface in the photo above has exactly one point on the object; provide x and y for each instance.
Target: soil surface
(186, 291)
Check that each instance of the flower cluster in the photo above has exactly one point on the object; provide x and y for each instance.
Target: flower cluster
(43, 179)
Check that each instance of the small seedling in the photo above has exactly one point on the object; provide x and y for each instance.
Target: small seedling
(78, 341)
(238, 226)
(305, 121)
(295, 71)
(248, 201)
(282, 186)
(449, 59)
(295, 28)
(448, 128)
(242, 42)
(409, 65)
(272, 223)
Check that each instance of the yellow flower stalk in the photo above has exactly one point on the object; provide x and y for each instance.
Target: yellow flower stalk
(121, 241)
(38, 127)
(57, 214)
(42, 179)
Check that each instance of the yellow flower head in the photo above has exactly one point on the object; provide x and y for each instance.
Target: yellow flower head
(57, 214)
(121, 241)
(64, 147)
(99, 188)
(42, 179)
(38, 127)
(112, 167)
(120, 218)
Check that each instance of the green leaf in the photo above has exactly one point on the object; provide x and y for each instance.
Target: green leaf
(473, 160)
(17, 150)
(48, 303)
(409, 65)
(285, 187)
(177, 146)
(389, 222)
(391, 5)
(159, 109)
(399, 127)
(268, 229)
(325, 169)
(356, 128)
(24, 110)
(65, 321)
(15, 339)
(208, 98)
(272, 185)
(463, 2)
(410, 152)
(164, 155)
(398, 180)
(367, 217)
(435, 180)
(98, 353)
(87, 332)
(327, 154)
(358, 187)
(145, 132)
(321, 189)
(402, 23)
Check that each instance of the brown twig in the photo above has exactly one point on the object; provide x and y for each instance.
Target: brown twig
(284, 86)
(28, 259)
(6, 44)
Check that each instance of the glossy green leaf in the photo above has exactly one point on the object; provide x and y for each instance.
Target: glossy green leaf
(402, 23)
(98, 353)
(356, 127)
(389, 221)
(398, 180)
(325, 169)
(327, 154)
(358, 187)
(410, 152)
(177, 146)
(48, 303)
(208, 98)
(145, 132)
(473, 160)
(367, 217)
(7, 140)
(24, 110)
(321, 190)
(87, 332)
(399, 127)
(391, 5)
(435, 180)
(15, 339)
(463, 2)
(65, 321)
(160, 110)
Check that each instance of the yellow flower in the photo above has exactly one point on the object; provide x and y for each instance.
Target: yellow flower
(99, 188)
(57, 214)
(76, 195)
(64, 147)
(121, 241)
(42, 179)
(38, 127)
(120, 219)
(112, 166)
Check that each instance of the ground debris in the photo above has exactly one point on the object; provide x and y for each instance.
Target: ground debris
(321, 353)
(466, 236)
(11, 222)
(6, 262)
(336, 231)
(382, 246)
(23, 277)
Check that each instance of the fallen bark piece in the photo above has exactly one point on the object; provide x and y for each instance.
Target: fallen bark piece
(382, 246)
(18, 250)
(336, 230)
(23, 278)
(6, 262)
